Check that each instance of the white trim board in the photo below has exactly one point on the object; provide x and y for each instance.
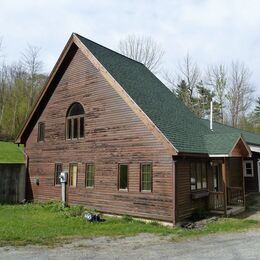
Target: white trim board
(254, 148)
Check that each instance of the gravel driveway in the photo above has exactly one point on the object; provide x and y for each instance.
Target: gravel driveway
(244, 245)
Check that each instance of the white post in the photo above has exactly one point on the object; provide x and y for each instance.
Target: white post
(211, 116)
(63, 180)
(63, 194)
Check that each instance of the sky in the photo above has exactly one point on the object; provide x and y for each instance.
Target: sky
(211, 31)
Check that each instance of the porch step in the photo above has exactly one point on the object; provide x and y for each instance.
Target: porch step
(231, 210)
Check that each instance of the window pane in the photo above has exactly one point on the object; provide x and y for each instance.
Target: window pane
(204, 176)
(248, 165)
(89, 175)
(193, 177)
(146, 177)
(249, 172)
(199, 179)
(41, 131)
(75, 109)
(73, 174)
(75, 128)
(58, 170)
(81, 128)
(69, 129)
(123, 176)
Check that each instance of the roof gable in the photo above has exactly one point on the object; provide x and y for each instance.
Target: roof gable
(159, 109)
(181, 127)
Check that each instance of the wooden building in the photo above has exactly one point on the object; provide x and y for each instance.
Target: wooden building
(129, 145)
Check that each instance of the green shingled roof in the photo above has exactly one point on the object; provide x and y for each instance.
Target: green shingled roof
(218, 128)
(183, 129)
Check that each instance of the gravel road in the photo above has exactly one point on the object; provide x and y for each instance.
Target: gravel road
(244, 245)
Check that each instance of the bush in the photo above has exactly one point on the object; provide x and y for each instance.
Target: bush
(199, 214)
(74, 211)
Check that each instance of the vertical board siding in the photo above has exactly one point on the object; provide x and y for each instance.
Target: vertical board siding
(113, 135)
(185, 205)
(251, 183)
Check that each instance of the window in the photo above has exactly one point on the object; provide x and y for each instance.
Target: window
(90, 175)
(123, 177)
(146, 177)
(198, 176)
(73, 172)
(248, 168)
(41, 130)
(58, 170)
(75, 121)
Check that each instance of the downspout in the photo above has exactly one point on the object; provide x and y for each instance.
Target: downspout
(173, 193)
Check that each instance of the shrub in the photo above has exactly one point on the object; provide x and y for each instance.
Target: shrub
(199, 214)
(74, 211)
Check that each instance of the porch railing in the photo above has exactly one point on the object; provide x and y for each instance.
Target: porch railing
(235, 196)
(216, 200)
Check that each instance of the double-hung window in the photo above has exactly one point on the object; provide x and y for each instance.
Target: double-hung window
(90, 170)
(146, 177)
(123, 177)
(248, 168)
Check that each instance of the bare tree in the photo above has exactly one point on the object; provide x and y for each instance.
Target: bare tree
(189, 73)
(143, 49)
(239, 93)
(32, 65)
(217, 78)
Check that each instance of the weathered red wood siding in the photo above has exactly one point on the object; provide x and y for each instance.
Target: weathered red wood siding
(113, 135)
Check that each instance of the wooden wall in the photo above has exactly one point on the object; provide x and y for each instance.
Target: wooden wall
(113, 135)
(12, 184)
(185, 205)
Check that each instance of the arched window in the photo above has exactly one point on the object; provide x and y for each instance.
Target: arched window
(75, 121)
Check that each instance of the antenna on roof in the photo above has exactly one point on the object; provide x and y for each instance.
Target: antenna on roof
(211, 115)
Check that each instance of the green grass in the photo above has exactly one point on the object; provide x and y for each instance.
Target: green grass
(48, 224)
(11, 153)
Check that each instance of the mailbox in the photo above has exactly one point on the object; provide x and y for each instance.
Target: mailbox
(63, 177)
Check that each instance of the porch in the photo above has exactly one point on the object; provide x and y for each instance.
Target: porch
(235, 202)
(228, 194)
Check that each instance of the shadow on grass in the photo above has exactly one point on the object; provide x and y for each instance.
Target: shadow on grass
(252, 207)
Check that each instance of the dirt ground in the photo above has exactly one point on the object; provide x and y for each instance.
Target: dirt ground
(229, 246)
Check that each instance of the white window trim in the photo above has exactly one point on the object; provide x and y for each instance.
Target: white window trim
(252, 167)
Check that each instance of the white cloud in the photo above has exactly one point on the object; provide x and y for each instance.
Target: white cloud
(211, 30)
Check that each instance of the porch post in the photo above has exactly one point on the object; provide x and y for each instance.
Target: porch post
(224, 177)
(173, 193)
(243, 184)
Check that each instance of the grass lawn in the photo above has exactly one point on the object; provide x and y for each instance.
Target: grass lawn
(11, 153)
(49, 224)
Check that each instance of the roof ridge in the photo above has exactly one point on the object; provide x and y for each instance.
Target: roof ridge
(236, 128)
(118, 53)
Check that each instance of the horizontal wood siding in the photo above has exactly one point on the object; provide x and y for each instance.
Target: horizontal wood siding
(113, 135)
